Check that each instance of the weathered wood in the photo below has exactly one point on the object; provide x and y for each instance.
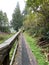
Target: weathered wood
(5, 49)
(6, 60)
(14, 54)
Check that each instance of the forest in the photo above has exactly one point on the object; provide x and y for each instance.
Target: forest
(34, 21)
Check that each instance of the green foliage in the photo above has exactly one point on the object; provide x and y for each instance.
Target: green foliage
(36, 50)
(37, 24)
(3, 19)
(1, 37)
(37, 20)
(17, 18)
(4, 29)
(4, 36)
(4, 25)
(34, 24)
(12, 50)
(34, 4)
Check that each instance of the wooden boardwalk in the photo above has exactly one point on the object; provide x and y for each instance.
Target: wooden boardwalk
(24, 55)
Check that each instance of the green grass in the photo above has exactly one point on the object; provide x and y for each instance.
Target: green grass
(36, 50)
(4, 37)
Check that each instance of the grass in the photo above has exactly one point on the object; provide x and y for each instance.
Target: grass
(36, 50)
(4, 37)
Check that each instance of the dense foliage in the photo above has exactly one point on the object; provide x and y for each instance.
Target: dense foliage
(34, 24)
(37, 20)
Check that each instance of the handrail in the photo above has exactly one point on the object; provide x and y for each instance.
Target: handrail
(5, 48)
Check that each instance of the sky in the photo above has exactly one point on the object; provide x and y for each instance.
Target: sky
(8, 6)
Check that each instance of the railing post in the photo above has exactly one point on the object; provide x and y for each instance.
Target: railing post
(6, 60)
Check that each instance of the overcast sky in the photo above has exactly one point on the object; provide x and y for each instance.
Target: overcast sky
(8, 6)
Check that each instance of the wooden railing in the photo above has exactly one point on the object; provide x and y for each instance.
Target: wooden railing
(5, 49)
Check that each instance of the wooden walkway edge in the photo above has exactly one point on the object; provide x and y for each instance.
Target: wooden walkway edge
(24, 55)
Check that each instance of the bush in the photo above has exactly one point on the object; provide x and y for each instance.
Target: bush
(34, 24)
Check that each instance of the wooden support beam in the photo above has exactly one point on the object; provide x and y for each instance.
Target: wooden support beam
(6, 60)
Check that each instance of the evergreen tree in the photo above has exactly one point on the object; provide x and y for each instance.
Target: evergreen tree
(17, 18)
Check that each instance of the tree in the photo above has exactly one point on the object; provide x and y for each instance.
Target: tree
(4, 25)
(40, 6)
(5, 20)
(34, 4)
(1, 18)
(41, 9)
(17, 18)
(34, 24)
